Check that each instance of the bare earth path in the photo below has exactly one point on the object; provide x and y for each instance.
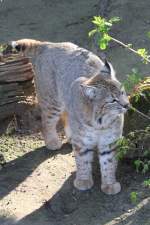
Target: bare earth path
(36, 189)
(36, 185)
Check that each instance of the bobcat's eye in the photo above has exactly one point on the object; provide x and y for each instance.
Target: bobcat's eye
(114, 100)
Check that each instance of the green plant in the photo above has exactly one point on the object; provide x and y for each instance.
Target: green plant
(102, 29)
(142, 165)
(134, 78)
(123, 148)
(1, 48)
(132, 144)
(103, 36)
(147, 183)
(133, 197)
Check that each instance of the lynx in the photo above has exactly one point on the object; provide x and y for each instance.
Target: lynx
(73, 81)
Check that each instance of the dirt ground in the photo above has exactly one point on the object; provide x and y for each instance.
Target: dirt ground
(36, 189)
(36, 184)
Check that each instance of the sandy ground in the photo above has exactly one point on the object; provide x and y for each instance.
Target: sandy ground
(36, 186)
(36, 189)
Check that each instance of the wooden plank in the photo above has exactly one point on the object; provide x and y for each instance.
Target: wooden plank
(17, 92)
(14, 62)
(15, 59)
(18, 77)
(16, 83)
(8, 87)
(15, 67)
(18, 70)
(11, 100)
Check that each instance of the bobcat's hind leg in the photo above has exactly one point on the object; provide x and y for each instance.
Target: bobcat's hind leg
(65, 120)
(50, 119)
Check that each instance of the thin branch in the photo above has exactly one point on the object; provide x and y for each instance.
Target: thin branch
(142, 114)
(127, 46)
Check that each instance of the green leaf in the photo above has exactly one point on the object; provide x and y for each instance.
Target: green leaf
(141, 51)
(129, 45)
(133, 196)
(145, 168)
(114, 19)
(92, 32)
(146, 153)
(103, 45)
(147, 183)
(137, 164)
(107, 37)
(108, 24)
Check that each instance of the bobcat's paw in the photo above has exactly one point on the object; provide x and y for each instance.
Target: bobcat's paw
(54, 144)
(111, 189)
(83, 185)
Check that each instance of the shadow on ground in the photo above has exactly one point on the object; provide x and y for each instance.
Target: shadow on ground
(16, 171)
(71, 207)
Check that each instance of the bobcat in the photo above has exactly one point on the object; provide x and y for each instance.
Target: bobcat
(74, 81)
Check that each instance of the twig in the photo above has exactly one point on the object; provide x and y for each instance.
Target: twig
(142, 114)
(127, 46)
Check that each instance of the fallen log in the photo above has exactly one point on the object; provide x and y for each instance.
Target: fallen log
(16, 83)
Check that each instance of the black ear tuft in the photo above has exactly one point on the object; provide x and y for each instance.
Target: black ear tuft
(107, 65)
(108, 71)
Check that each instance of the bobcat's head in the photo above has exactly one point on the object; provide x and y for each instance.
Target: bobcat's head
(107, 96)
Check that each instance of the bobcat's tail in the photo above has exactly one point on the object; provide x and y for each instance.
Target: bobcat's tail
(26, 46)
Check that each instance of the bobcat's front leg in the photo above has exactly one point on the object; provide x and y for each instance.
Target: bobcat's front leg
(83, 157)
(108, 165)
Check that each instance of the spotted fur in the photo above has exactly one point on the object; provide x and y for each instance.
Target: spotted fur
(74, 82)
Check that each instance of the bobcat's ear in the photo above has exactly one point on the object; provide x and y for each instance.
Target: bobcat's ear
(108, 71)
(88, 91)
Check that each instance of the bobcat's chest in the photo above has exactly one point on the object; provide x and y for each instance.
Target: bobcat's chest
(94, 137)
(90, 137)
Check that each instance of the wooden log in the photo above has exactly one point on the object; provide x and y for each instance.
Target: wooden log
(14, 62)
(7, 110)
(14, 68)
(19, 77)
(7, 87)
(16, 83)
